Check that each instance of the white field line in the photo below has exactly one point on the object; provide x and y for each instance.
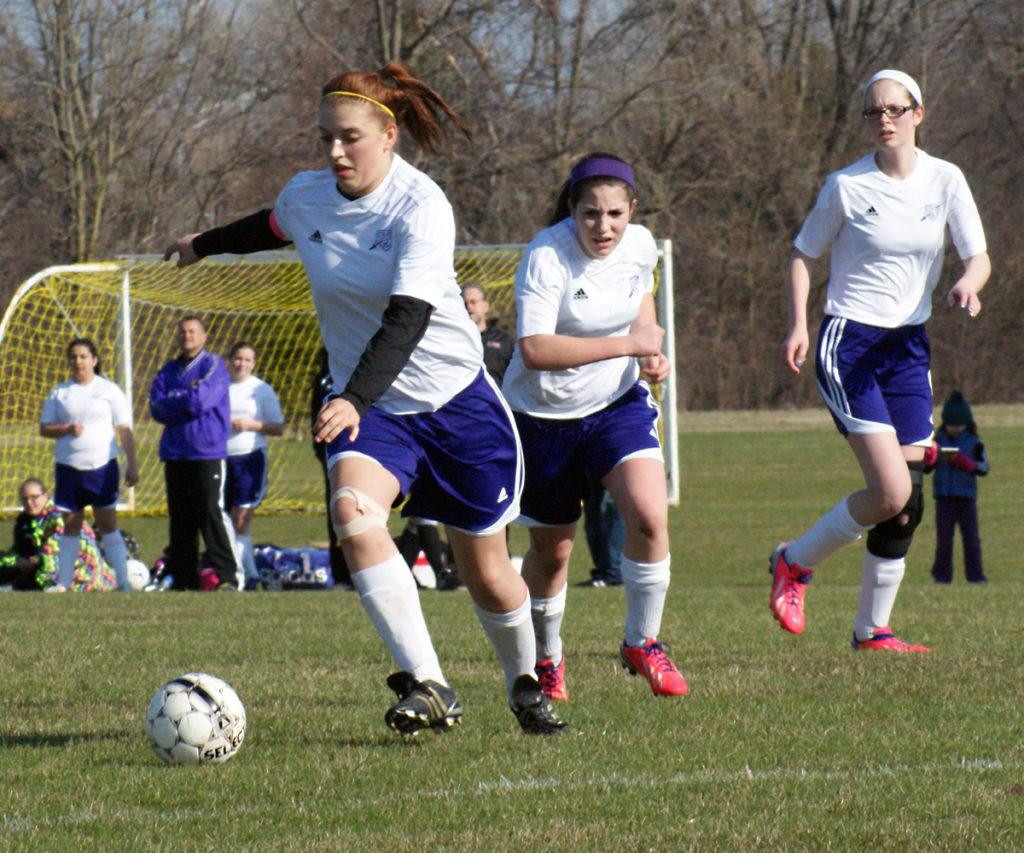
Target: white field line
(14, 823)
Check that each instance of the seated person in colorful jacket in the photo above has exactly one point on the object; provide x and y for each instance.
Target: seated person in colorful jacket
(31, 562)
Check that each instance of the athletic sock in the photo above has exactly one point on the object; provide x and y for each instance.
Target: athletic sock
(829, 533)
(880, 581)
(646, 585)
(388, 594)
(67, 556)
(547, 616)
(116, 553)
(245, 556)
(511, 634)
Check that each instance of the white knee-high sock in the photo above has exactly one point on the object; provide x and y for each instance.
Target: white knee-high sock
(646, 585)
(829, 533)
(117, 555)
(388, 594)
(511, 634)
(244, 555)
(67, 556)
(546, 614)
(879, 583)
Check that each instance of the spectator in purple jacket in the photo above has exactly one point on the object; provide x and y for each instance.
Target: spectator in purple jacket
(190, 397)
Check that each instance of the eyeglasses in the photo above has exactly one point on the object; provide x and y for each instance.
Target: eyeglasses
(875, 113)
(27, 498)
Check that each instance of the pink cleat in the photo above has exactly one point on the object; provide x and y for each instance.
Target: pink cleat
(788, 587)
(885, 641)
(651, 661)
(552, 679)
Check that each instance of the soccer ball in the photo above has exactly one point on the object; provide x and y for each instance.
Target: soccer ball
(138, 575)
(195, 719)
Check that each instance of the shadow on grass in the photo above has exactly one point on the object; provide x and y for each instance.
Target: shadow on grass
(49, 740)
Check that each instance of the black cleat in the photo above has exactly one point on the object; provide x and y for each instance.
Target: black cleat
(421, 705)
(532, 708)
(448, 579)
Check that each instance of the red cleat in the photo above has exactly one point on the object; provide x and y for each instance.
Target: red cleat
(885, 641)
(788, 587)
(552, 679)
(651, 661)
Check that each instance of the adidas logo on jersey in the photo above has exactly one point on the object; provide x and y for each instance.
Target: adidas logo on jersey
(871, 211)
(316, 237)
(502, 495)
(580, 294)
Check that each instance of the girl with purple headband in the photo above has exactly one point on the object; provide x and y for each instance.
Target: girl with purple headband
(588, 345)
(885, 218)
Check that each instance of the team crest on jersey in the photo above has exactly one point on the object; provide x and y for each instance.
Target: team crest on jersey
(634, 286)
(383, 240)
(931, 211)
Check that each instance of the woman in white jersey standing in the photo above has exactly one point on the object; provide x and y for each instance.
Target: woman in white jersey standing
(87, 415)
(885, 218)
(413, 412)
(255, 414)
(585, 412)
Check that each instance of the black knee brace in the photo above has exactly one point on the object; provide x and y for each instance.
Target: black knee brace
(891, 538)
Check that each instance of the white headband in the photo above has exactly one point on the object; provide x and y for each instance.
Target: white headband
(904, 80)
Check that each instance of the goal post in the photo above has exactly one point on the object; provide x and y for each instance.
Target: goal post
(130, 308)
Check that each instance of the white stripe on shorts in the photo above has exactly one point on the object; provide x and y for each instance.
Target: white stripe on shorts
(832, 391)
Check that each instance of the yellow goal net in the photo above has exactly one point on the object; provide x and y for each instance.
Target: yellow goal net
(130, 309)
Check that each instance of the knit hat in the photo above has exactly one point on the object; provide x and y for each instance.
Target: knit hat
(957, 411)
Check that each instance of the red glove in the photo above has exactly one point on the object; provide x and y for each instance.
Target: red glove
(965, 463)
(931, 455)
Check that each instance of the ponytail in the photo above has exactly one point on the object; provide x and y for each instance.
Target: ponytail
(401, 97)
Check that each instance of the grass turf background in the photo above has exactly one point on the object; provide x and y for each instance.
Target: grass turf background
(782, 743)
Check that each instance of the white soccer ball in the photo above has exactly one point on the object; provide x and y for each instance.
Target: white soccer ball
(138, 575)
(195, 719)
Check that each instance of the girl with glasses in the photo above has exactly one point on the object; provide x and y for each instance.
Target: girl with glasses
(885, 218)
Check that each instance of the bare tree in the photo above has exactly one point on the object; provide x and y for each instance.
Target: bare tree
(125, 121)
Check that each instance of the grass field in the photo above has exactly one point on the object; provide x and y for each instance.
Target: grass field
(783, 743)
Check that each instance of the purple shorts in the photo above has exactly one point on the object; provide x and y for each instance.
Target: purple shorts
(563, 455)
(246, 479)
(876, 380)
(461, 465)
(74, 490)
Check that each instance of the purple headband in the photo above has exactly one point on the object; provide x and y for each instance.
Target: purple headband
(601, 167)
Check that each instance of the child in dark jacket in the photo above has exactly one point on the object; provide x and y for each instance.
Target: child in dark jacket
(961, 460)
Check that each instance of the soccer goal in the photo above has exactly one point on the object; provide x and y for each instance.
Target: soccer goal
(130, 308)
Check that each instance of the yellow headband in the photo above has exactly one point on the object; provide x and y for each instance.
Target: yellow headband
(365, 98)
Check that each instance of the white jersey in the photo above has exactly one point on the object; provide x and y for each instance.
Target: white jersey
(254, 399)
(99, 406)
(562, 291)
(397, 241)
(887, 238)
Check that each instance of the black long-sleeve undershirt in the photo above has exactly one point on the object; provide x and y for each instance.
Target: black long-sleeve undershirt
(403, 323)
(402, 327)
(243, 236)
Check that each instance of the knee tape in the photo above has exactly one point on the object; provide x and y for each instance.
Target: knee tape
(891, 538)
(373, 514)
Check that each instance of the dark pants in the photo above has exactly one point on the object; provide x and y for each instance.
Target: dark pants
(339, 568)
(949, 512)
(605, 530)
(195, 505)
